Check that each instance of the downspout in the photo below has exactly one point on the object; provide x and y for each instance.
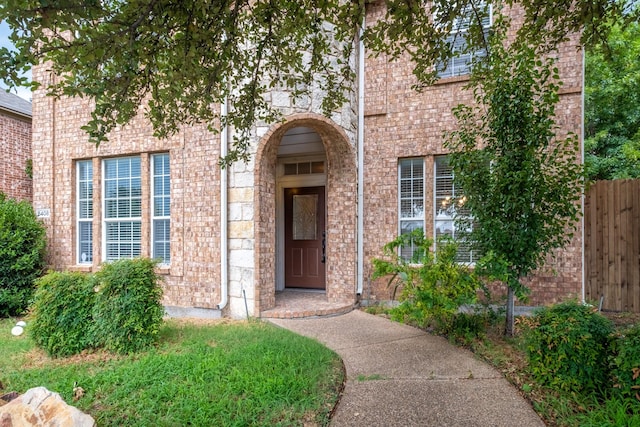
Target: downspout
(360, 224)
(51, 202)
(582, 163)
(224, 257)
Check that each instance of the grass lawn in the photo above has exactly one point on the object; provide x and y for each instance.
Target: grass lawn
(222, 373)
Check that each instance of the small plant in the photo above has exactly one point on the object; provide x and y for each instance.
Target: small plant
(22, 249)
(612, 412)
(376, 309)
(61, 313)
(465, 328)
(432, 286)
(568, 350)
(127, 313)
(626, 364)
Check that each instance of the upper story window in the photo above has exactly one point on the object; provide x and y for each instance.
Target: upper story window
(161, 208)
(410, 199)
(449, 204)
(462, 59)
(122, 213)
(84, 210)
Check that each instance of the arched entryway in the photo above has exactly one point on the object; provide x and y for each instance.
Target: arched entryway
(306, 164)
(301, 211)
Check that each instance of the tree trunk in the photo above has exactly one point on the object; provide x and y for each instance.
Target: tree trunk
(508, 329)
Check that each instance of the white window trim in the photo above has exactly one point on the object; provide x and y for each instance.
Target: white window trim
(103, 202)
(401, 219)
(460, 30)
(78, 210)
(155, 217)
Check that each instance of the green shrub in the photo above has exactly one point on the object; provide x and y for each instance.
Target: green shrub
(117, 308)
(626, 364)
(568, 350)
(22, 248)
(61, 313)
(432, 287)
(127, 313)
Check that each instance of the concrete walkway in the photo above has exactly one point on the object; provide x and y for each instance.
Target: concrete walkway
(398, 375)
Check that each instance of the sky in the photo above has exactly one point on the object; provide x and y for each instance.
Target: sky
(22, 92)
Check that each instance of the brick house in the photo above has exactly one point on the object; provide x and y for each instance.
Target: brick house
(317, 201)
(15, 146)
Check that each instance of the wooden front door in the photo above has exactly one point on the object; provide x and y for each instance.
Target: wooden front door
(304, 237)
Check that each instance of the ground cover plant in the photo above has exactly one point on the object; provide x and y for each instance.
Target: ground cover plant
(222, 373)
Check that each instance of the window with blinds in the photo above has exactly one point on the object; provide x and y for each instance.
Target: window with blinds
(449, 206)
(411, 199)
(161, 210)
(122, 208)
(462, 59)
(84, 210)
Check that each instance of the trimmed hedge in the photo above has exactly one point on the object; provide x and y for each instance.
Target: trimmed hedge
(62, 313)
(117, 309)
(127, 313)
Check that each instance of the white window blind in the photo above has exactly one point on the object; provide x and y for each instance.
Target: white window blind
(161, 210)
(449, 204)
(411, 199)
(122, 208)
(461, 61)
(84, 209)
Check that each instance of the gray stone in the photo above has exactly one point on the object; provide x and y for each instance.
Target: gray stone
(41, 407)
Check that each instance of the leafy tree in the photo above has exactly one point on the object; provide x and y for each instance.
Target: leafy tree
(612, 105)
(180, 57)
(522, 183)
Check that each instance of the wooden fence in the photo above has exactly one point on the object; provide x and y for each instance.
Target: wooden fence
(612, 244)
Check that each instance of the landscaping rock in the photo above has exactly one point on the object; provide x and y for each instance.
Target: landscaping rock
(41, 407)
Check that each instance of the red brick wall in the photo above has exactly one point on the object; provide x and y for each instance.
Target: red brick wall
(15, 150)
(193, 278)
(400, 123)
